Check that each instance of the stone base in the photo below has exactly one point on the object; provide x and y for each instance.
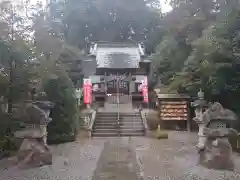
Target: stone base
(33, 153)
(217, 155)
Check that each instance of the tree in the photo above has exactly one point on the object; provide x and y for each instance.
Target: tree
(106, 20)
(15, 52)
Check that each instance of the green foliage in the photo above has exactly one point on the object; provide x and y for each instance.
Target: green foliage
(169, 58)
(8, 143)
(201, 50)
(153, 120)
(63, 126)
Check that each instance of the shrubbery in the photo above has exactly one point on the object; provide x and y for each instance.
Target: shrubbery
(60, 91)
(152, 120)
(8, 143)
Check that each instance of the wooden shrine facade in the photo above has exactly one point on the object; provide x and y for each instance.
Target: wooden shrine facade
(120, 68)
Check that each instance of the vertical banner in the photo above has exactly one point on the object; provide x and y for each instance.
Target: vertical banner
(87, 91)
(145, 90)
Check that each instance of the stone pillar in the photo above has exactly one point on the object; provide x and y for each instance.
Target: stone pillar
(88, 106)
(202, 138)
(199, 105)
(43, 131)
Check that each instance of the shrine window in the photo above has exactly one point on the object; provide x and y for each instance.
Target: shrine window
(123, 84)
(111, 84)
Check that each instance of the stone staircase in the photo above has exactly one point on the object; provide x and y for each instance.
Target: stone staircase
(113, 99)
(106, 124)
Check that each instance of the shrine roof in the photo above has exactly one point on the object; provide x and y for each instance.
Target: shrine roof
(118, 55)
(173, 96)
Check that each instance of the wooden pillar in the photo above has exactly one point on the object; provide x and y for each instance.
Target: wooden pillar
(105, 83)
(189, 128)
(130, 85)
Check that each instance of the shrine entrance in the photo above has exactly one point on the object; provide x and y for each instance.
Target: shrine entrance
(118, 83)
(118, 89)
(118, 86)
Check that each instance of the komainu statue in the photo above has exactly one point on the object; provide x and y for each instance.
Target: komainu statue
(34, 151)
(215, 127)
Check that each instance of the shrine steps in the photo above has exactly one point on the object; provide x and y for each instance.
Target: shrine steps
(106, 124)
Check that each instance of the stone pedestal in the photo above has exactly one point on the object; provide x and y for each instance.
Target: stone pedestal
(215, 151)
(33, 153)
(217, 155)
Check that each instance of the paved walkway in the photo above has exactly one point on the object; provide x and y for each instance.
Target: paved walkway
(117, 162)
(125, 159)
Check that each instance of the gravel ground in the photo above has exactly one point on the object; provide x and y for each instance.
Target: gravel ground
(71, 161)
(171, 159)
(176, 159)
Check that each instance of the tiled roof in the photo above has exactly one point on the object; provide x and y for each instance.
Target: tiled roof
(118, 57)
(173, 96)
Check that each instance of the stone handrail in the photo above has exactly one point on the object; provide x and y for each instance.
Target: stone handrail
(92, 120)
(143, 116)
(88, 126)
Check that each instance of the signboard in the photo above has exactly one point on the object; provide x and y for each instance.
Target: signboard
(174, 110)
(87, 91)
(145, 90)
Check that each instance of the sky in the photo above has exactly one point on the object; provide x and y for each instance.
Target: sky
(165, 6)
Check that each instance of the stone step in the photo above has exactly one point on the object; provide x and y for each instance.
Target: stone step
(116, 113)
(106, 124)
(122, 113)
(119, 130)
(121, 117)
(115, 121)
(121, 123)
(97, 134)
(106, 117)
(121, 127)
(134, 116)
(121, 120)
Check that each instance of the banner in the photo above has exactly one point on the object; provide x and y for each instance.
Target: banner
(145, 90)
(87, 91)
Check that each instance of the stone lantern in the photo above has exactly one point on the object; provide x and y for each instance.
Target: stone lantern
(215, 151)
(33, 151)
